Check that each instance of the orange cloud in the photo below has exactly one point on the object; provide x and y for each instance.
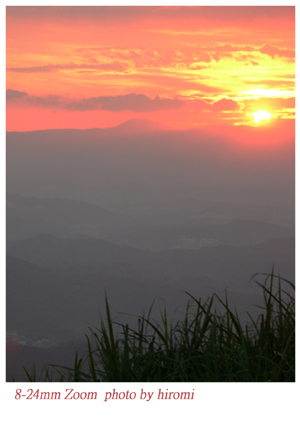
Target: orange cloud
(195, 65)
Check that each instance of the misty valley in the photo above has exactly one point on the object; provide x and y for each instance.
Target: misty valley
(141, 216)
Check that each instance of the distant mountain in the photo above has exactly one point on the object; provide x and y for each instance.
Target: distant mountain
(192, 234)
(61, 217)
(165, 165)
(62, 297)
(47, 249)
(157, 227)
(61, 304)
(221, 263)
(134, 126)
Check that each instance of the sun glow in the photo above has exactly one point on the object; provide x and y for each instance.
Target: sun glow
(261, 115)
(104, 66)
(269, 93)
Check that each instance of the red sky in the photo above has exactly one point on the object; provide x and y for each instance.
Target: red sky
(186, 67)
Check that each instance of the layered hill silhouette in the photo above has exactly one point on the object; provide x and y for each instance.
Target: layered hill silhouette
(174, 225)
(139, 213)
(139, 161)
(55, 287)
(63, 217)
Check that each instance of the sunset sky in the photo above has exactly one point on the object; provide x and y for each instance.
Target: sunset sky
(184, 67)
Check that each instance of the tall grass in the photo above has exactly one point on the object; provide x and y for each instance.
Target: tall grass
(209, 344)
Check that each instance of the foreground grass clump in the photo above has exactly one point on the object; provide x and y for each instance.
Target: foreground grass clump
(208, 345)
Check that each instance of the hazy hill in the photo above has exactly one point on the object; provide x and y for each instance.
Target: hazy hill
(192, 235)
(50, 250)
(162, 225)
(135, 126)
(62, 300)
(94, 202)
(61, 304)
(62, 217)
(118, 165)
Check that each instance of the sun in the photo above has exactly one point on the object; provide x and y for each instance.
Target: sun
(261, 115)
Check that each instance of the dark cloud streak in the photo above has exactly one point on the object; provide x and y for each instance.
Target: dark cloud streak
(218, 106)
(123, 14)
(113, 66)
(138, 103)
(23, 98)
(12, 94)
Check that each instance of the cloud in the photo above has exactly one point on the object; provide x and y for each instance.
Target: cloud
(12, 94)
(272, 51)
(192, 58)
(278, 83)
(195, 67)
(108, 14)
(22, 98)
(33, 69)
(217, 52)
(225, 105)
(47, 101)
(138, 103)
(270, 103)
(218, 106)
(113, 66)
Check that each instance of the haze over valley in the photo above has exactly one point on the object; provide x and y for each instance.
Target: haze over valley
(134, 243)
